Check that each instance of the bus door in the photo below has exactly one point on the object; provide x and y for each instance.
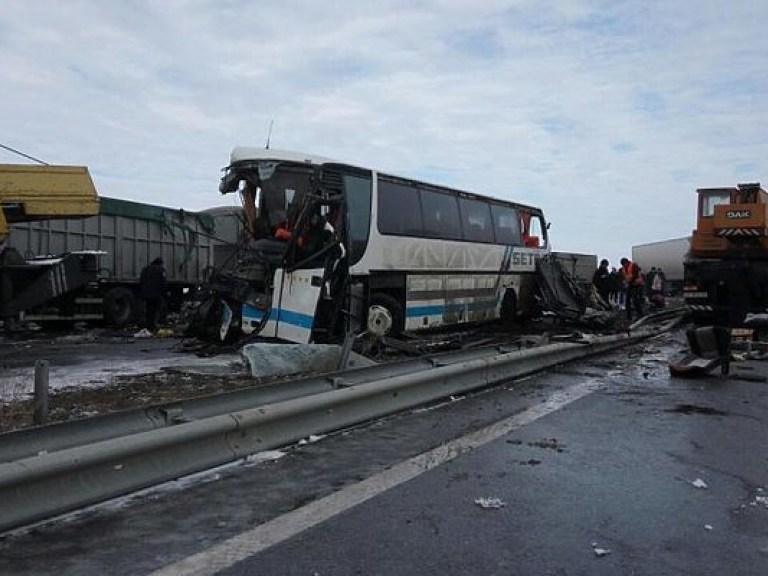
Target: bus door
(294, 304)
(307, 276)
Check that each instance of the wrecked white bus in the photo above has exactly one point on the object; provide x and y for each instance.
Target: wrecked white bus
(336, 248)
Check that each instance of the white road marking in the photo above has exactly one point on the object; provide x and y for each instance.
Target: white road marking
(240, 547)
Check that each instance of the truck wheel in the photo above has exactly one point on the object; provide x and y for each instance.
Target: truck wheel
(119, 306)
(508, 311)
(385, 315)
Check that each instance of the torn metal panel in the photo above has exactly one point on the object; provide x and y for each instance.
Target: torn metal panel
(558, 293)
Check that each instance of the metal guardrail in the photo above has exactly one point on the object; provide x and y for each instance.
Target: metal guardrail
(49, 482)
(52, 438)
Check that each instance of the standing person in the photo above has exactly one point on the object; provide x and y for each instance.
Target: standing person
(152, 282)
(621, 288)
(649, 282)
(634, 284)
(615, 287)
(601, 280)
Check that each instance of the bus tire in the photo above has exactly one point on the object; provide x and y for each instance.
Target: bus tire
(119, 306)
(508, 311)
(393, 309)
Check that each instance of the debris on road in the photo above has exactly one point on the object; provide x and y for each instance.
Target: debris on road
(311, 440)
(710, 348)
(699, 483)
(490, 503)
(548, 443)
(599, 552)
(267, 359)
(530, 462)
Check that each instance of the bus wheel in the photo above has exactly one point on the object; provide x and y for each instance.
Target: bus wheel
(119, 306)
(508, 312)
(385, 316)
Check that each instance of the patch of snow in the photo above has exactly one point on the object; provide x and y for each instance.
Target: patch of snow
(261, 457)
(490, 503)
(761, 500)
(599, 552)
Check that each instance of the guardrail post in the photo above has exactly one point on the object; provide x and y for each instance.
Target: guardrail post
(40, 415)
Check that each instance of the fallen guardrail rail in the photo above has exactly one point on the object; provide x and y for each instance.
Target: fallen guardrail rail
(51, 482)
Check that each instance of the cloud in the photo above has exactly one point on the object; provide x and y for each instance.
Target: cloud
(607, 114)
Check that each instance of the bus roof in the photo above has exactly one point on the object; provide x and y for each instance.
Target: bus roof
(245, 153)
(252, 153)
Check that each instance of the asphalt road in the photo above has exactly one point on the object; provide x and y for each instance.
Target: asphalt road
(607, 466)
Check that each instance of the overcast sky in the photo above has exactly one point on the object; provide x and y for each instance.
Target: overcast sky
(607, 114)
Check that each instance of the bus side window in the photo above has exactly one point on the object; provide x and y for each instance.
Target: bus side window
(536, 235)
(476, 220)
(506, 224)
(357, 192)
(440, 215)
(399, 209)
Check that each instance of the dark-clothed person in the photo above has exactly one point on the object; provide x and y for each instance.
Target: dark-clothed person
(649, 281)
(615, 288)
(601, 280)
(152, 282)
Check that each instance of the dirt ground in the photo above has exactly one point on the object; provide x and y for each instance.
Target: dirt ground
(98, 371)
(88, 374)
(126, 392)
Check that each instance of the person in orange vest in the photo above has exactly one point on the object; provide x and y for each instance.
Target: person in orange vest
(634, 283)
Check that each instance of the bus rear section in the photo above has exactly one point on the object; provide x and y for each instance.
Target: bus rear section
(439, 257)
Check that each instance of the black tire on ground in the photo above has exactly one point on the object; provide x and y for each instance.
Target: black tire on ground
(119, 306)
(508, 312)
(395, 310)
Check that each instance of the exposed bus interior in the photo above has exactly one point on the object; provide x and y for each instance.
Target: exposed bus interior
(291, 223)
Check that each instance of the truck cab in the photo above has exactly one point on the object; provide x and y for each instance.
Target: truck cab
(726, 271)
(731, 221)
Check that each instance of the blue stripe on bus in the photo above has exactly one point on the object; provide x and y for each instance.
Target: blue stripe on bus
(440, 309)
(287, 316)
